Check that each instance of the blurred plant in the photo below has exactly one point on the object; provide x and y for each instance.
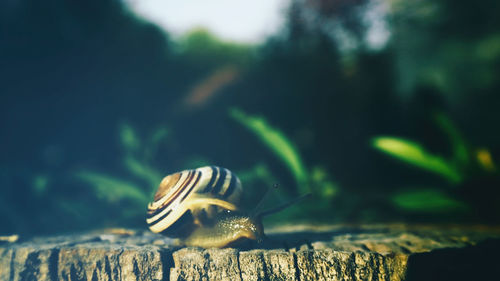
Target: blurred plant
(414, 154)
(137, 161)
(259, 172)
(112, 189)
(205, 90)
(427, 200)
(138, 156)
(450, 42)
(276, 141)
(115, 190)
(40, 184)
(456, 169)
(315, 180)
(206, 49)
(485, 160)
(319, 176)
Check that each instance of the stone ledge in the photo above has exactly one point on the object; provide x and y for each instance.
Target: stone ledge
(374, 252)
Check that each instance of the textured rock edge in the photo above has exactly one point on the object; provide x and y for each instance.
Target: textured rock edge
(381, 253)
(230, 264)
(117, 262)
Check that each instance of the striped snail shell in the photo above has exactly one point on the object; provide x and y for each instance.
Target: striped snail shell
(188, 199)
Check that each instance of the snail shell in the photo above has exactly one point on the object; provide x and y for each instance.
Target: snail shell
(188, 199)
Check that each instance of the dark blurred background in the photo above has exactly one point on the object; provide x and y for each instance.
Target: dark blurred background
(97, 105)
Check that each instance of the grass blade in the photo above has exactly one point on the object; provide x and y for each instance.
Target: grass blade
(416, 155)
(277, 142)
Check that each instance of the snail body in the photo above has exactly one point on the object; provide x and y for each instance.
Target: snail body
(201, 208)
(229, 229)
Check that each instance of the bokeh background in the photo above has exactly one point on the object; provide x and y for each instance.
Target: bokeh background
(384, 110)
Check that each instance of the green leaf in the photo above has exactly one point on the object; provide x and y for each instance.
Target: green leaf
(427, 200)
(128, 138)
(112, 189)
(460, 151)
(277, 142)
(159, 135)
(412, 153)
(488, 49)
(258, 173)
(143, 171)
(40, 184)
(322, 184)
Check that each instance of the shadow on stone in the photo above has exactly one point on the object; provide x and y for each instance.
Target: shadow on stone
(478, 262)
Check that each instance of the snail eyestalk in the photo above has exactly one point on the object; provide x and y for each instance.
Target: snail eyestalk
(262, 200)
(284, 205)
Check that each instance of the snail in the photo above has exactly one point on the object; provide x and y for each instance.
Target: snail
(200, 207)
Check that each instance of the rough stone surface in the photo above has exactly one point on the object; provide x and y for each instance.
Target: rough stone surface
(374, 252)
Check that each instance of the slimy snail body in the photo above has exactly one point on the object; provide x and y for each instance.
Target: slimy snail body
(227, 229)
(200, 207)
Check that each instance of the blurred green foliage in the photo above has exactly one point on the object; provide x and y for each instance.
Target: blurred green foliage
(315, 181)
(258, 173)
(460, 152)
(128, 138)
(457, 169)
(63, 166)
(414, 154)
(142, 171)
(40, 184)
(427, 201)
(450, 49)
(322, 183)
(280, 145)
(112, 189)
(202, 47)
